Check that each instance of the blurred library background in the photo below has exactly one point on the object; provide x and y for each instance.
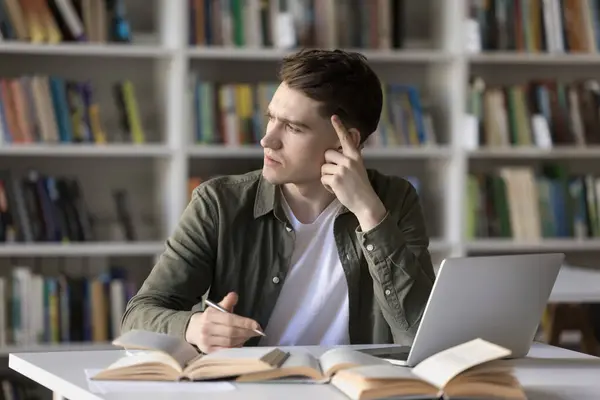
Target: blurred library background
(111, 111)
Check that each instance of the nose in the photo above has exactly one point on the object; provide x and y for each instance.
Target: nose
(271, 139)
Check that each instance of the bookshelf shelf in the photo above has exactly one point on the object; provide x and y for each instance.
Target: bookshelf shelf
(439, 245)
(266, 54)
(509, 245)
(85, 49)
(91, 249)
(86, 150)
(49, 347)
(501, 57)
(535, 153)
(220, 151)
(215, 151)
(406, 152)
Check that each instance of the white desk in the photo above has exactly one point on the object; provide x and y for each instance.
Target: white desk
(547, 373)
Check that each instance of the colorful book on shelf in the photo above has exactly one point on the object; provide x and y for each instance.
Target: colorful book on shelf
(46, 208)
(297, 23)
(130, 118)
(55, 21)
(60, 308)
(53, 109)
(535, 26)
(542, 113)
(519, 203)
(466, 370)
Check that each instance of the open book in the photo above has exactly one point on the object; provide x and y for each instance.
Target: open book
(464, 371)
(169, 358)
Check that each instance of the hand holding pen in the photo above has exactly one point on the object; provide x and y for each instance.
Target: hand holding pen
(218, 327)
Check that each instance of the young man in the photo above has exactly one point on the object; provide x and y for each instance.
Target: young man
(314, 248)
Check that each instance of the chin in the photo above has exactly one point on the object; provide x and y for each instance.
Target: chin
(278, 177)
(272, 176)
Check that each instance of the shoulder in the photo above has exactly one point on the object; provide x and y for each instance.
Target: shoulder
(394, 191)
(229, 189)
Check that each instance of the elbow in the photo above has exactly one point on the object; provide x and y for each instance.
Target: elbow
(129, 321)
(138, 311)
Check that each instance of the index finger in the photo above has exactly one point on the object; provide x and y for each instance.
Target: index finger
(343, 135)
(235, 320)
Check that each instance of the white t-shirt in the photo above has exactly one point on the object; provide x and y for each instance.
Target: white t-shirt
(312, 308)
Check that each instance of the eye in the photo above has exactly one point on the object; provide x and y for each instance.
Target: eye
(293, 128)
(269, 116)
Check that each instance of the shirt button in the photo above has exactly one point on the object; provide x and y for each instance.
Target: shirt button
(388, 292)
(370, 247)
(288, 228)
(275, 279)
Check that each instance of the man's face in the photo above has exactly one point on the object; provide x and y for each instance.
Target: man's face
(296, 139)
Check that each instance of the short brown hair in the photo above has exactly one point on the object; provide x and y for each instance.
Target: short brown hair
(342, 81)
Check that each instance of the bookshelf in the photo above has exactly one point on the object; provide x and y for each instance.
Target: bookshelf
(161, 63)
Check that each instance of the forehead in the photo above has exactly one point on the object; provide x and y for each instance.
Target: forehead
(293, 104)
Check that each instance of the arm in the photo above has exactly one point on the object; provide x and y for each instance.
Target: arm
(399, 262)
(181, 276)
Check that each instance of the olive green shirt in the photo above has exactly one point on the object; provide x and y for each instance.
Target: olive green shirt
(234, 236)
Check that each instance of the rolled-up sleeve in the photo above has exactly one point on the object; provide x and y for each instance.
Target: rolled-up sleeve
(182, 274)
(400, 264)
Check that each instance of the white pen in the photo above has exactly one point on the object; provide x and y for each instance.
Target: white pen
(218, 307)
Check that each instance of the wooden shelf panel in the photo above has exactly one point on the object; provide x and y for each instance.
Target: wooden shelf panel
(85, 49)
(517, 152)
(81, 249)
(268, 54)
(438, 245)
(217, 151)
(85, 150)
(546, 245)
(502, 57)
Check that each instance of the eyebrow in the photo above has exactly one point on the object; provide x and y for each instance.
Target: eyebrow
(289, 121)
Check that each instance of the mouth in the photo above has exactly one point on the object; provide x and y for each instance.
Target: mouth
(271, 160)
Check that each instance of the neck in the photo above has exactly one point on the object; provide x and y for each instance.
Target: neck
(307, 200)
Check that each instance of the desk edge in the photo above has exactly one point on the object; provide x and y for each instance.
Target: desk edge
(49, 380)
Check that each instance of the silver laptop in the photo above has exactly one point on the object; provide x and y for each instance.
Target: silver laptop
(497, 298)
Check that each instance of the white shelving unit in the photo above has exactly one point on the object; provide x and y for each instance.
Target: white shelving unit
(158, 172)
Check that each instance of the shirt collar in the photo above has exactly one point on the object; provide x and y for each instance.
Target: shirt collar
(265, 197)
(268, 198)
